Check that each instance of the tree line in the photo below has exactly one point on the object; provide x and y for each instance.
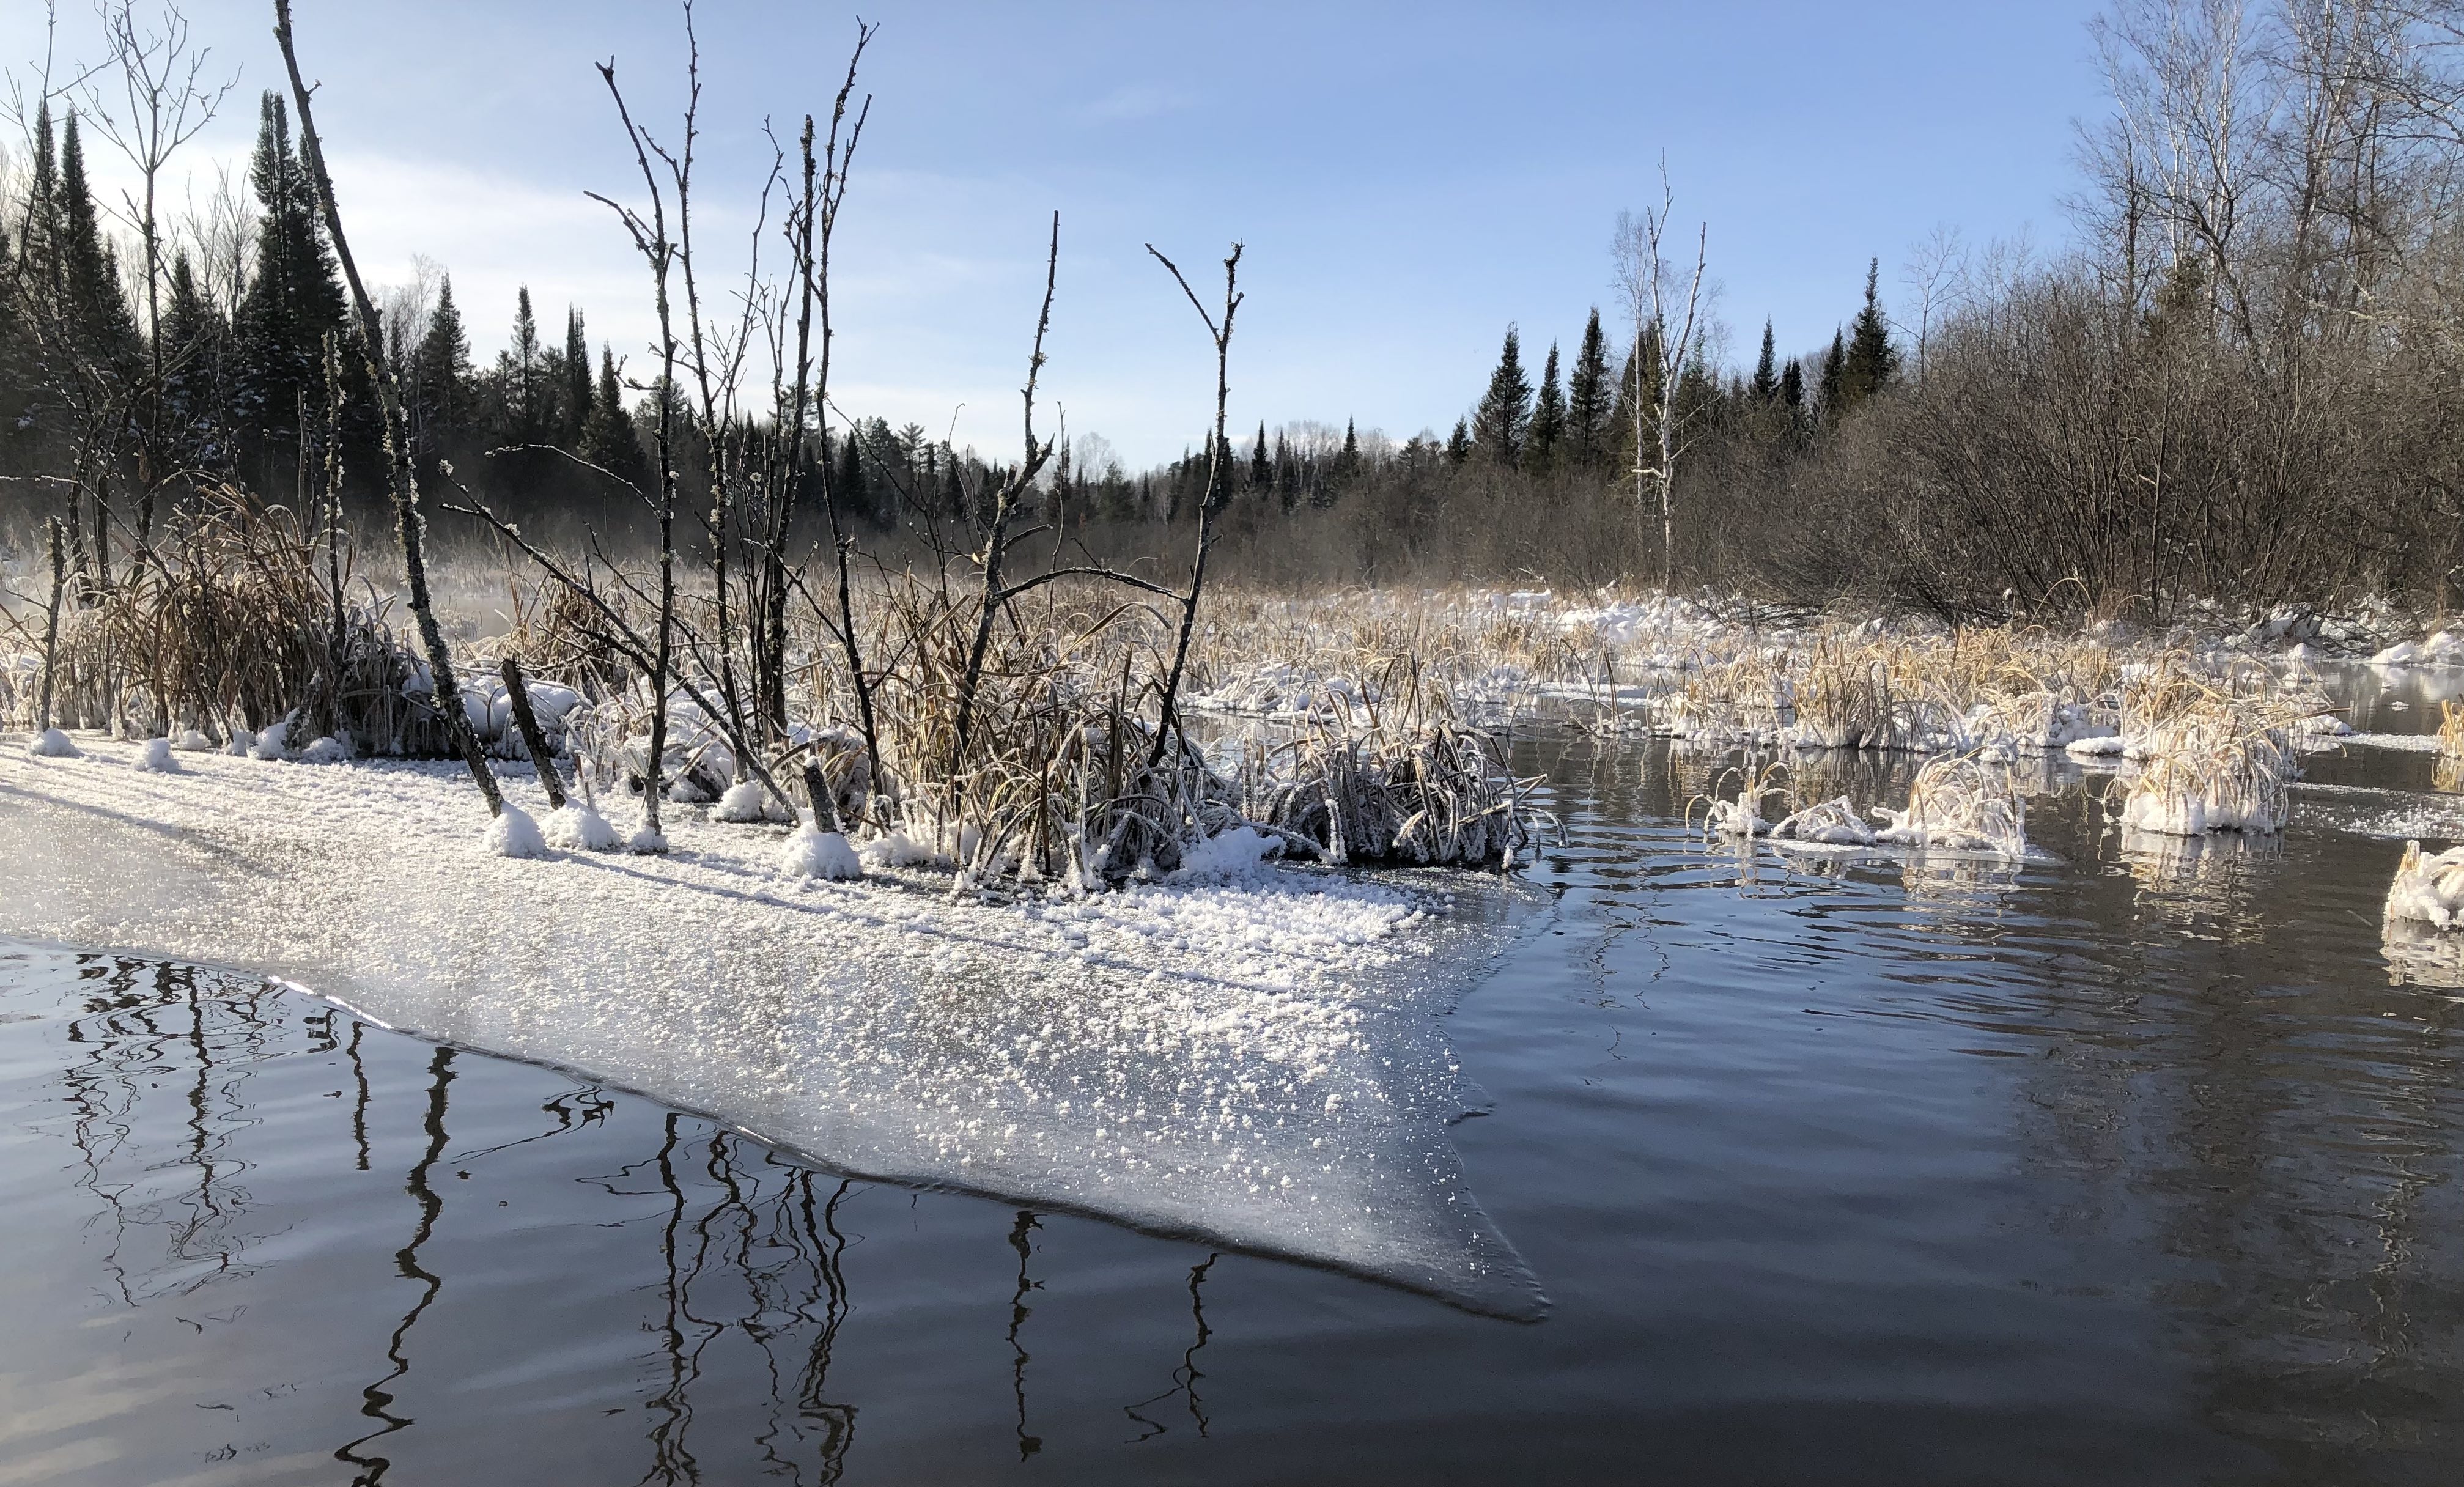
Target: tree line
(2232, 386)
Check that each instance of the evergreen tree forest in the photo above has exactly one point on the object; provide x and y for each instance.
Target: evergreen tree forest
(2234, 384)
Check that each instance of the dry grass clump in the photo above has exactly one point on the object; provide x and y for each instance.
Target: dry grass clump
(2216, 763)
(239, 618)
(2451, 730)
(1401, 780)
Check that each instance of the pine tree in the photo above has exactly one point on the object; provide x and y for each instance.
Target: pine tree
(1347, 465)
(1458, 443)
(1590, 395)
(522, 378)
(608, 439)
(441, 375)
(575, 405)
(1792, 388)
(1262, 475)
(1548, 419)
(1872, 360)
(100, 327)
(848, 486)
(291, 303)
(194, 342)
(1830, 391)
(1765, 387)
(1503, 420)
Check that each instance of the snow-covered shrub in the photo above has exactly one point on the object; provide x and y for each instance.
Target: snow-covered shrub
(328, 750)
(191, 741)
(154, 757)
(52, 744)
(274, 743)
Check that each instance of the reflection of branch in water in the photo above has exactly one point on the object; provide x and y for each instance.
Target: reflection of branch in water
(1019, 1312)
(1184, 1379)
(360, 1105)
(829, 1253)
(135, 1047)
(575, 1109)
(432, 1205)
(670, 1460)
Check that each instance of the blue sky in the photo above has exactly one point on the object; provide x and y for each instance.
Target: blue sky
(1408, 178)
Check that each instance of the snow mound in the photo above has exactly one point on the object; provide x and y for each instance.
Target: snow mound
(647, 842)
(192, 741)
(54, 744)
(154, 757)
(813, 853)
(898, 849)
(2100, 747)
(328, 750)
(242, 743)
(745, 801)
(1259, 1063)
(578, 828)
(514, 834)
(1238, 853)
(274, 743)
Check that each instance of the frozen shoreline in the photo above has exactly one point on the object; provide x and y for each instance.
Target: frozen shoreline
(1254, 1061)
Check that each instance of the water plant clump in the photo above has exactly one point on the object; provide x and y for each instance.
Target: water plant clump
(2214, 765)
(1961, 803)
(2428, 888)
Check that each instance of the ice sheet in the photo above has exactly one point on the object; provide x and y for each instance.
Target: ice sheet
(1256, 1062)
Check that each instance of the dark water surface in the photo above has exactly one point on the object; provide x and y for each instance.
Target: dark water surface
(2142, 1167)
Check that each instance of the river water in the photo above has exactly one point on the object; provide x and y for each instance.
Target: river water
(2137, 1166)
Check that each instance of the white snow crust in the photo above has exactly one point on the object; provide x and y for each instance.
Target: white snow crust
(1254, 1061)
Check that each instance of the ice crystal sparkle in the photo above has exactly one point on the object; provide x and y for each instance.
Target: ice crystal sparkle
(1252, 1060)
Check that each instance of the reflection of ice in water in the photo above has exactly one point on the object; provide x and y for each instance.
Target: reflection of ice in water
(2206, 879)
(2422, 955)
(1255, 1063)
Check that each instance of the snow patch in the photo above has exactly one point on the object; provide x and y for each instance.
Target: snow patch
(54, 744)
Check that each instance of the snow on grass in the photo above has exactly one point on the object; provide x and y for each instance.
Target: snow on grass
(2429, 888)
(1164, 1055)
